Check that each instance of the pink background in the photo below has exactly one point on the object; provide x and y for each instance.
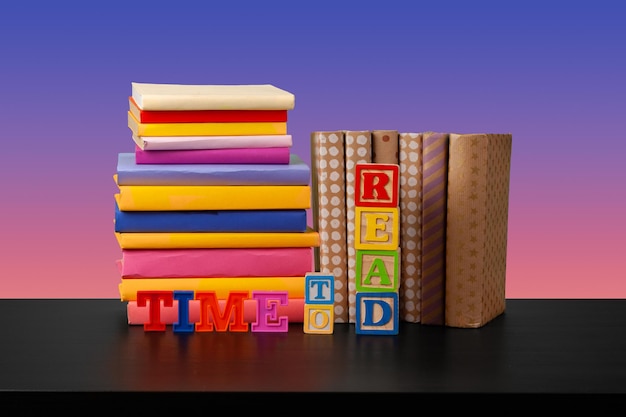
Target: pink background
(550, 74)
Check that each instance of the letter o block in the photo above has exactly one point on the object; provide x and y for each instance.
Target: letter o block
(319, 319)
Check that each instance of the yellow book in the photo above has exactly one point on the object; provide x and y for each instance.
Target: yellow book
(206, 129)
(212, 197)
(222, 286)
(201, 240)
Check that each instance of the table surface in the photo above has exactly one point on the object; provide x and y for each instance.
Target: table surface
(536, 346)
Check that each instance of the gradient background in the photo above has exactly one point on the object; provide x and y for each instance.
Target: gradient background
(551, 73)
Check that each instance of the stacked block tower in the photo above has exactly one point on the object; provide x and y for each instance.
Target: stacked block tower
(211, 210)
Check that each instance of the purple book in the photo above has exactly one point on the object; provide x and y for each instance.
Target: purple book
(214, 156)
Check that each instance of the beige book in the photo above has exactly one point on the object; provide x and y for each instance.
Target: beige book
(329, 213)
(477, 223)
(150, 96)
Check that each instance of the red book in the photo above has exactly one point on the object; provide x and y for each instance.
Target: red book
(205, 116)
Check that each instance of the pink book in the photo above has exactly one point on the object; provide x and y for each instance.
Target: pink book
(294, 311)
(217, 262)
(214, 156)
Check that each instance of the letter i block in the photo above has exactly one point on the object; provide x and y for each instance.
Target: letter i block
(376, 185)
(377, 313)
(319, 309)
(377, 271)
(376, 228)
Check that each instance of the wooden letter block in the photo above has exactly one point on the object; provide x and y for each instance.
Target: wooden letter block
(377, 313)
(319, 318)
(320, 288)
(377, 185)
(377, 270)
(376, 228)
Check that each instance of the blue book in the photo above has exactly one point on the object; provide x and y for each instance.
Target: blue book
(296, 172)
(260, 221)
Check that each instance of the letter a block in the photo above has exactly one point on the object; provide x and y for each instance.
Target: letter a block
(319, 312)
(376, 185)
(377, 313)
(377, 271)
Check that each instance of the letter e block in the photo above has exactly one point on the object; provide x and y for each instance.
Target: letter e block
(377, 313)
(320, 288)
(377, 270)
(376, 228)
(318, 319)
(376, 185)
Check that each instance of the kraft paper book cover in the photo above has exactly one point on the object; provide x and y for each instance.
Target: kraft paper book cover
(205, 116)
(477, 225)
(329, 212)
(158, 143)
(294, 286)
(358, 144)
(434, 207)
(200, 240)
(129, 172)
(205, 129)
(151, 96)
(410, 158)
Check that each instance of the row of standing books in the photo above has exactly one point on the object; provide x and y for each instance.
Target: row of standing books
(212, 198)
(454, 192)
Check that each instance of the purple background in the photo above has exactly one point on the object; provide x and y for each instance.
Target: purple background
(550, 73)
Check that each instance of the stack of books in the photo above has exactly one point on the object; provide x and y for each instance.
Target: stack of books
(212, 200)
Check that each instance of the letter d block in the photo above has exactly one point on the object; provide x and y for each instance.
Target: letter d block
(319, 318)
(376, 185)
(376, 228)
(377, 313)
(377, 271)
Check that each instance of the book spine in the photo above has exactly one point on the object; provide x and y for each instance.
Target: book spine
(216, 197)
(200, 240)
(294, 311)
(477, 221)
(329, 213)
(410, 158)
(128, 287)
(217, 262)
(258, 156)
(385, 146)
(358, 149)
(434, 206)
(168, 143)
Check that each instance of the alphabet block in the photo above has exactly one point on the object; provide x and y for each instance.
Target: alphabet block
(267, 319)
(320, 288)
(319, 318)
(377, 228)
(377, 313)
(377, 185)
(377, 270)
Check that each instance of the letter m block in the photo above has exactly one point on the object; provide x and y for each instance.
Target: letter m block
(376, 185)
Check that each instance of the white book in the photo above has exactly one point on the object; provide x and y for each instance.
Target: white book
(211, 97)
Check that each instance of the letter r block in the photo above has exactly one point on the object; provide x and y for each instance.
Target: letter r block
(376, 185)
(376, 228)
(319, 318)
(377, 313)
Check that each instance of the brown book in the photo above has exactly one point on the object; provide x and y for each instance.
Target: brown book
(477, 223)
(329, 213)
(358, 150)
(410, 160)
(434, 203)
